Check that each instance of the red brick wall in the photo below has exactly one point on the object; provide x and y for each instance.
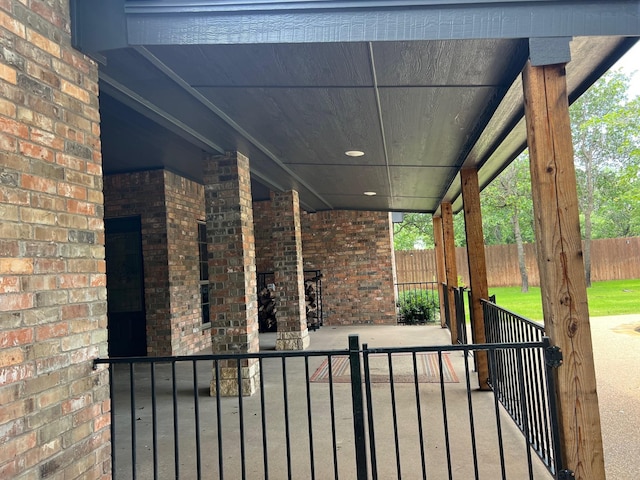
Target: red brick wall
(263, 223)
(142, 193)
(169, 207)
(184, 200)
(354, 251)
(54, 408)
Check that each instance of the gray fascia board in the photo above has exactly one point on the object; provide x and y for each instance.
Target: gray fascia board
(150, 23)
(182, 6)
(100, 25)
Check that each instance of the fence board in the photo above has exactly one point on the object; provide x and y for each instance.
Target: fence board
(611, 259)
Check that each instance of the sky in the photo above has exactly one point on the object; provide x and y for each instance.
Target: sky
(629, 64)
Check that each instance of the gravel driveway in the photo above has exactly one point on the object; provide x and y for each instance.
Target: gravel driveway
(616, 346)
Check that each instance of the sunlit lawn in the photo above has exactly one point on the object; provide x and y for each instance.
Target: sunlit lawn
(615, 297)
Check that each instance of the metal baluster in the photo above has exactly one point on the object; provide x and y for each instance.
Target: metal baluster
(419, 415)
(309, 419)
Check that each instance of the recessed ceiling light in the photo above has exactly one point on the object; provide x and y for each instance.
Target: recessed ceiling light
(369, 194)
(354, 153)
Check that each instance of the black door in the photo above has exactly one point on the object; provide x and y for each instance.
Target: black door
(125, 288)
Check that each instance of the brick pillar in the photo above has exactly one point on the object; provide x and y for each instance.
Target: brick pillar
(54, 407)
(232, 270)
(289, 273)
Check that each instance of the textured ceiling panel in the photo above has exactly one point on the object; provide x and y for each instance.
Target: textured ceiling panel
(432, 126)
(333, 180)
(306, 125)
(419, 182)
(454, 62)
(270, 65)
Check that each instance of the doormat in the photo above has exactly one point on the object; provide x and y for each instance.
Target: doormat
(428, 370)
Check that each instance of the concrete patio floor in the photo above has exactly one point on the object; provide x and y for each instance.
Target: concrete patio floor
(295, 458)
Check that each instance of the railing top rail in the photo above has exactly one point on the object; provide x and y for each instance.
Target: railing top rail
(319, 353)
(223, 356)
(416, 283)
(458, 348)
(533, 324)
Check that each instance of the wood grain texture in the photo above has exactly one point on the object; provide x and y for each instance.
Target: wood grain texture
(450, 265)
(477, 266)
(564, 294)
(428, 125)
(441, 273)
(267, 65)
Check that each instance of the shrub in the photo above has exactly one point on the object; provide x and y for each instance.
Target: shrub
(417, 306)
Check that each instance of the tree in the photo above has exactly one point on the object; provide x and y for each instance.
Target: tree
(414, 232)
(604, 125)
(507, 201)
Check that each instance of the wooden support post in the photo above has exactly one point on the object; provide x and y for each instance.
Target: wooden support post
(441, 274)
(450, 266)
(477, 266)
(563, 285)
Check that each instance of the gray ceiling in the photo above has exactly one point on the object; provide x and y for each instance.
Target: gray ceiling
(419, 109)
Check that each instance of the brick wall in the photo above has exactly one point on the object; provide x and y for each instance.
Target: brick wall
(354, 251)
(54, 408)
(169, 207)
(263, 223)
(184, 201)
(142, 194)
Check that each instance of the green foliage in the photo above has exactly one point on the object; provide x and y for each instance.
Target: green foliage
(507, 200)
(606, 134)
(418, 306)
(414, 233)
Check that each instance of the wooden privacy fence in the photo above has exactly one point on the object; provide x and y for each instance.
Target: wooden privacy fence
(611, 259)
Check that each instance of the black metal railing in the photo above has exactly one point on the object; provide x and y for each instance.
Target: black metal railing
(355, 413)
(461, 316)
(460, 313)
(417, 302)
(523, 378)
(447, 309)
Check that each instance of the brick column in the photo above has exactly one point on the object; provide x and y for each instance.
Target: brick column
(54, 407)
(289, 273)
(232, 271)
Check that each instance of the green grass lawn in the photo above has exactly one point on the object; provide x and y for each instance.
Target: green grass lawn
(615, 297)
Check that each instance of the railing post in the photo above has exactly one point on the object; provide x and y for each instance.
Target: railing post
(358, 407)
(553, 359)
(447, 312)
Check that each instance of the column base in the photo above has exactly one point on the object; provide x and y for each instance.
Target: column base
(229, 380)
(293, 340)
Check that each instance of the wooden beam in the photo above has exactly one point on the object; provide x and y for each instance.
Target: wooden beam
(477, 266)
(564, 292)
(450, 265)
(441, 274)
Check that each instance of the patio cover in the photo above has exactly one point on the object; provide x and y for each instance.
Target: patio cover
(423, 88)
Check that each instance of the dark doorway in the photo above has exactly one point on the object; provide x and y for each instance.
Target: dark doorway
(125, 287)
